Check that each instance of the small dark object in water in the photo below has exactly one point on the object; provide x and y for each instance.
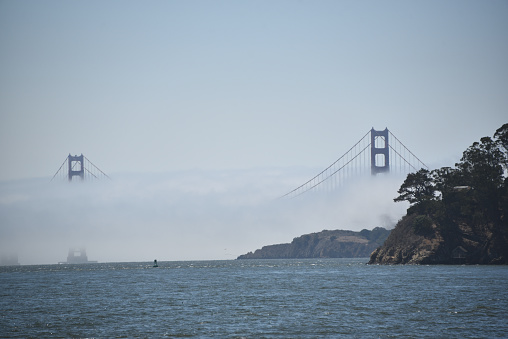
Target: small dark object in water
(155, 263)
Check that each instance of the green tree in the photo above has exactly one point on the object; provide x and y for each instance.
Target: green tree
(482, 169)
(481, 165)
(417, 187)
(445, 179)
(501, 138)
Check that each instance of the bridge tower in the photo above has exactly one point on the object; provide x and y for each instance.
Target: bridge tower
(76, 161)
(379, 156)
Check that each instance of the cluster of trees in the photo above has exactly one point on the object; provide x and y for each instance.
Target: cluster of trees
(476, 190)
(378, 235)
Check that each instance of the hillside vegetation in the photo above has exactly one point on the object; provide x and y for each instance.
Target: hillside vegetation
(325, 244)
(456, 215)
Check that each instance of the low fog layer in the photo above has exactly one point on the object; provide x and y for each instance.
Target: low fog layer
(192, 215)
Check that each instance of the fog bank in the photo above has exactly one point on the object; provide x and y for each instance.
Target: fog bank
(189, 215)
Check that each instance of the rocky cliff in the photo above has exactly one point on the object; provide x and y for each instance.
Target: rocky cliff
(418, 239)
(456, 215)
(325, 244)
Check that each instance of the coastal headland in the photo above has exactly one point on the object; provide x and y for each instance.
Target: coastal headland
(456, 215)
(325, 244)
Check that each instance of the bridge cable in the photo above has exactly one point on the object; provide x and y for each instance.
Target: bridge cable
(316, 176)
(97, 168)
(86, 169)
(407, 150)
(320, 177)
(406, 161)
(59, 170)
(328, 177)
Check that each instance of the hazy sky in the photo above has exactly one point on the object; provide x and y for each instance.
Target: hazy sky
(197, 89)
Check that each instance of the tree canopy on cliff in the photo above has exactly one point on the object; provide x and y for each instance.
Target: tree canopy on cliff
(477, 187)
(456, 215)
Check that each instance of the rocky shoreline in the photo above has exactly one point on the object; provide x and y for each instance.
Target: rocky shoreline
(325, 244)
(484, 244)
(456, 215)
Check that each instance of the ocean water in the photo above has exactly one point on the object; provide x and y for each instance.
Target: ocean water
(327, 298)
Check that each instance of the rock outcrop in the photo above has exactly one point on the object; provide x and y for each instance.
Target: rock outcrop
(325, 244)
(417, 239)
(456, 215)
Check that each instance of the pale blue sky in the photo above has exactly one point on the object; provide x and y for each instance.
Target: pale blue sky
(155, 86)
(203, 111)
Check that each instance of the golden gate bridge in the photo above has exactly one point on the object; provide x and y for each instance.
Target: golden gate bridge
(377, 152)
(78, 166)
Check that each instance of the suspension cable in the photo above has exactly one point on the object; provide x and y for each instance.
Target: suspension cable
(326, 178)
(59, 169)
(407, 150)
(316, 176)
(97, 168)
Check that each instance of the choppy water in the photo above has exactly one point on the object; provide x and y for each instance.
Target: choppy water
(254, 299)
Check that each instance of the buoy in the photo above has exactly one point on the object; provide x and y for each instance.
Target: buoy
(155, 263)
